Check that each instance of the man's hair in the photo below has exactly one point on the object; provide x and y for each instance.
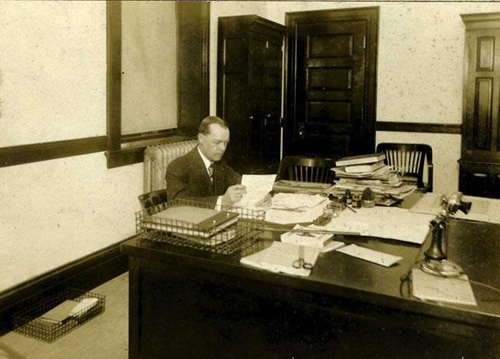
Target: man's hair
(204, 127)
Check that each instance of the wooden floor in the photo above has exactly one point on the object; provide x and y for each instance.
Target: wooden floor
(105, 336)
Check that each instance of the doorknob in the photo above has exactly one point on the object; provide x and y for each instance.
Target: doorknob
(301, 130)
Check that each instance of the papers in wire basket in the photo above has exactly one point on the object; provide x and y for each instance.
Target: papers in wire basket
(68, 309)
(191, 221)
(279, 257)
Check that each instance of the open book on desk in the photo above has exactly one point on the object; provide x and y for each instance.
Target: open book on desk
(279, 258)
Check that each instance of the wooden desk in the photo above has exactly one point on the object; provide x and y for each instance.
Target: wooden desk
(189, 305)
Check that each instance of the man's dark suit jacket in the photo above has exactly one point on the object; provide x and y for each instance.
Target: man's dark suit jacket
(187, 178)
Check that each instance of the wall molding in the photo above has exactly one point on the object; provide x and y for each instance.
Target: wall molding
(84, 273)
(418, 127)
(18, 155)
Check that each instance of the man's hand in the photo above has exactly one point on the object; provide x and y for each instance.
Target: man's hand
(233, 195)
(266, 202)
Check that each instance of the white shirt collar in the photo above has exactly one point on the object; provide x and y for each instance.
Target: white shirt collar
(206, 161)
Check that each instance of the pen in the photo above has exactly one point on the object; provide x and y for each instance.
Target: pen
(352, 209)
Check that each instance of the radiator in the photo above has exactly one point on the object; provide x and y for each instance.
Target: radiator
(156, 160)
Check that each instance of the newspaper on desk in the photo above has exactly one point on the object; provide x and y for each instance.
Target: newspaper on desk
(482, 209)
(384, 222)
(291, 208)
(279, 258)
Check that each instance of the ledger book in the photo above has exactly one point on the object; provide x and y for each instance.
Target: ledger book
(190, 220)
(360, 159)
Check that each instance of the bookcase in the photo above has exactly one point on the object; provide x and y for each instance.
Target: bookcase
(480, 157)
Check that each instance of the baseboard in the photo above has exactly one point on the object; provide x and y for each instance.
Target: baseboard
(85, 273)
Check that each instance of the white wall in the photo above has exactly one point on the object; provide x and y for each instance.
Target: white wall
(53, 87)
(52, 79)
(420, 67)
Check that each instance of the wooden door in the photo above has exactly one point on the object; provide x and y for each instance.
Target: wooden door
(249, 77)
(331, 92)
(267, 54)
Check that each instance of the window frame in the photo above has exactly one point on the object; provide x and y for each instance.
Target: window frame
(118, 155)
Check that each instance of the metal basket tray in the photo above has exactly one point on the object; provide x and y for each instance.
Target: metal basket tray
(29, 321)
(224, 239)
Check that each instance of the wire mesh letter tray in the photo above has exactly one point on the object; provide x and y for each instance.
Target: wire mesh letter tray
(197, 225)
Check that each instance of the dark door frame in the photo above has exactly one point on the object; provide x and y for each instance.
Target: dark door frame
(293, 19)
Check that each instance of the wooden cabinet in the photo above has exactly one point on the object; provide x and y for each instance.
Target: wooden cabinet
(480, 160)
(249, 90)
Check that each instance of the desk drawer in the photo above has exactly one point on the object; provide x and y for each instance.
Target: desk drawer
(482, 180)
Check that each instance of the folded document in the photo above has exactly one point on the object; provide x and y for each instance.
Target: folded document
(309, 237)
(279, 257)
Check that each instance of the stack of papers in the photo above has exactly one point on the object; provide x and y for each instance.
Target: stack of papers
(294, 208)
(69, 309)
(356, 173)
(279, 258)
(398, 190)
(305, 236)
(384, 222)
(441, 289)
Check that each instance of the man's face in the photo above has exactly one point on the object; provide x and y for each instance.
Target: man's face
(213, 145)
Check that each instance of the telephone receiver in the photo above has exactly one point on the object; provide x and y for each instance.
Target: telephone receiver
(436, 258)
(455, 203)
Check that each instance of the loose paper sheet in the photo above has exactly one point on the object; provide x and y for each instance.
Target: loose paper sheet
(296, 200)
(257, 187)
(441, 289)
(370, 255)
(293, 216)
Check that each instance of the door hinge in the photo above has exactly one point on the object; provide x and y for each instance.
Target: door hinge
(364, 42)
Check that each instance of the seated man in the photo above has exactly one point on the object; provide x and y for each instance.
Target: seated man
(202, 175)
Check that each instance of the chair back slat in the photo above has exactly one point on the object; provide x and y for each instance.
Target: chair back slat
(410, 161)
(306, 169)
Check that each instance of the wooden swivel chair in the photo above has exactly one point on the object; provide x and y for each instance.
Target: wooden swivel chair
(306, 169)
(409, 160)
(150, 201)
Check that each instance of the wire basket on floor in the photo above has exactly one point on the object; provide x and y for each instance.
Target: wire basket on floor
(30, 320)
(220, 231)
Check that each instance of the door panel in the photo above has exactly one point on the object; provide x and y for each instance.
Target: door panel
(331, 82)
(331, 56)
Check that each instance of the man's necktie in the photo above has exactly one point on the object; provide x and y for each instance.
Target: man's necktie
(211, 172)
